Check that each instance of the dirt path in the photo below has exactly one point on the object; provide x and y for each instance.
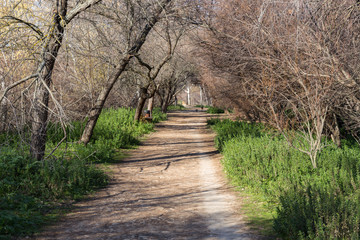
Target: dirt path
(171, 187)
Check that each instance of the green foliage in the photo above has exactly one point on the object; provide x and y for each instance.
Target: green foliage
(115, 129)
(204, 106)
(175, 108)
(26, 185)
(319, 212)
(312, 203)
(227, 129)
(29, 188)
(215, 110)
(158, 116)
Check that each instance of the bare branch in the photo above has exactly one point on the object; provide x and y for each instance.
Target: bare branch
(16, 84)
(30, 25)
(80, 8)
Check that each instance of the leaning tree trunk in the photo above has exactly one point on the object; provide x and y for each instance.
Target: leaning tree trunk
(41, 97)
(96, 110)
(100, 101)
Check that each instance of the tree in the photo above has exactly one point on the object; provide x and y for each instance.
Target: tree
(148, 86)
(51, 42)
(286, 63)
(134, 43)
(172, 81)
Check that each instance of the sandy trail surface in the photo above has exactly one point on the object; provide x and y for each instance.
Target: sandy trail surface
(171, 187)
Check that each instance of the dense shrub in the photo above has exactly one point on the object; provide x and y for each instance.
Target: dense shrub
(30, 188)
(203, 106)
(215, 110)
(227, 129)
(312, 203)
(27, 185)
(115, 129)
(175, 107)
(158, 116)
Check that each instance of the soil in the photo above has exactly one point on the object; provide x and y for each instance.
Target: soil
(171, 187)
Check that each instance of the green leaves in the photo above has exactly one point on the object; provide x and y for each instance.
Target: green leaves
(312, 203)
(215, 110)
(28, 188)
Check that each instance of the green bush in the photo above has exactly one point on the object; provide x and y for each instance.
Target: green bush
(27, 185)
(227, 129)
(203, 106)
(318, 212)
(175, 108)
(30, 188)
(215, 110)
(312, 203)
(115, 129)
(158, 116)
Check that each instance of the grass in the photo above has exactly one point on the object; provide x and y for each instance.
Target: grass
(215, 110)
(203, 106)
(31, 191)
(114, 130)
(310, 203)
(178, 107)
(259, 215)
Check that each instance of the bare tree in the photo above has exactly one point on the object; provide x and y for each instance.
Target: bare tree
(51, 43)
(149, 86)
(134, 44)
(288, 61)
(172, 81)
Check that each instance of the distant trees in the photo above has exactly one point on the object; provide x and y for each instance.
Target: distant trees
(172, 81)
(289, 63)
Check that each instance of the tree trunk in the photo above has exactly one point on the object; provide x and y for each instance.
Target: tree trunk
(3, 115)
(161, 101)
(3, 111)
(188, 95)
(50, 51)
(141, 103)
(41, 97)
(96, 110)
(164, 107)
(151, 105)
(167, 100)
(139, 108)
(335, 132)
(100, 101)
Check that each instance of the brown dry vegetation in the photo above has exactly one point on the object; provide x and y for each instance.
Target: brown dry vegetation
(291, 64)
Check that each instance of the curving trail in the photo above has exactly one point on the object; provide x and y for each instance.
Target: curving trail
(171, 187)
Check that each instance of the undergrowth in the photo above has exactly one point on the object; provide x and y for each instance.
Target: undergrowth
(30, 189)
(202, 106)
(115, 129)
(215, 110)
(319, 203)
(175, 107)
